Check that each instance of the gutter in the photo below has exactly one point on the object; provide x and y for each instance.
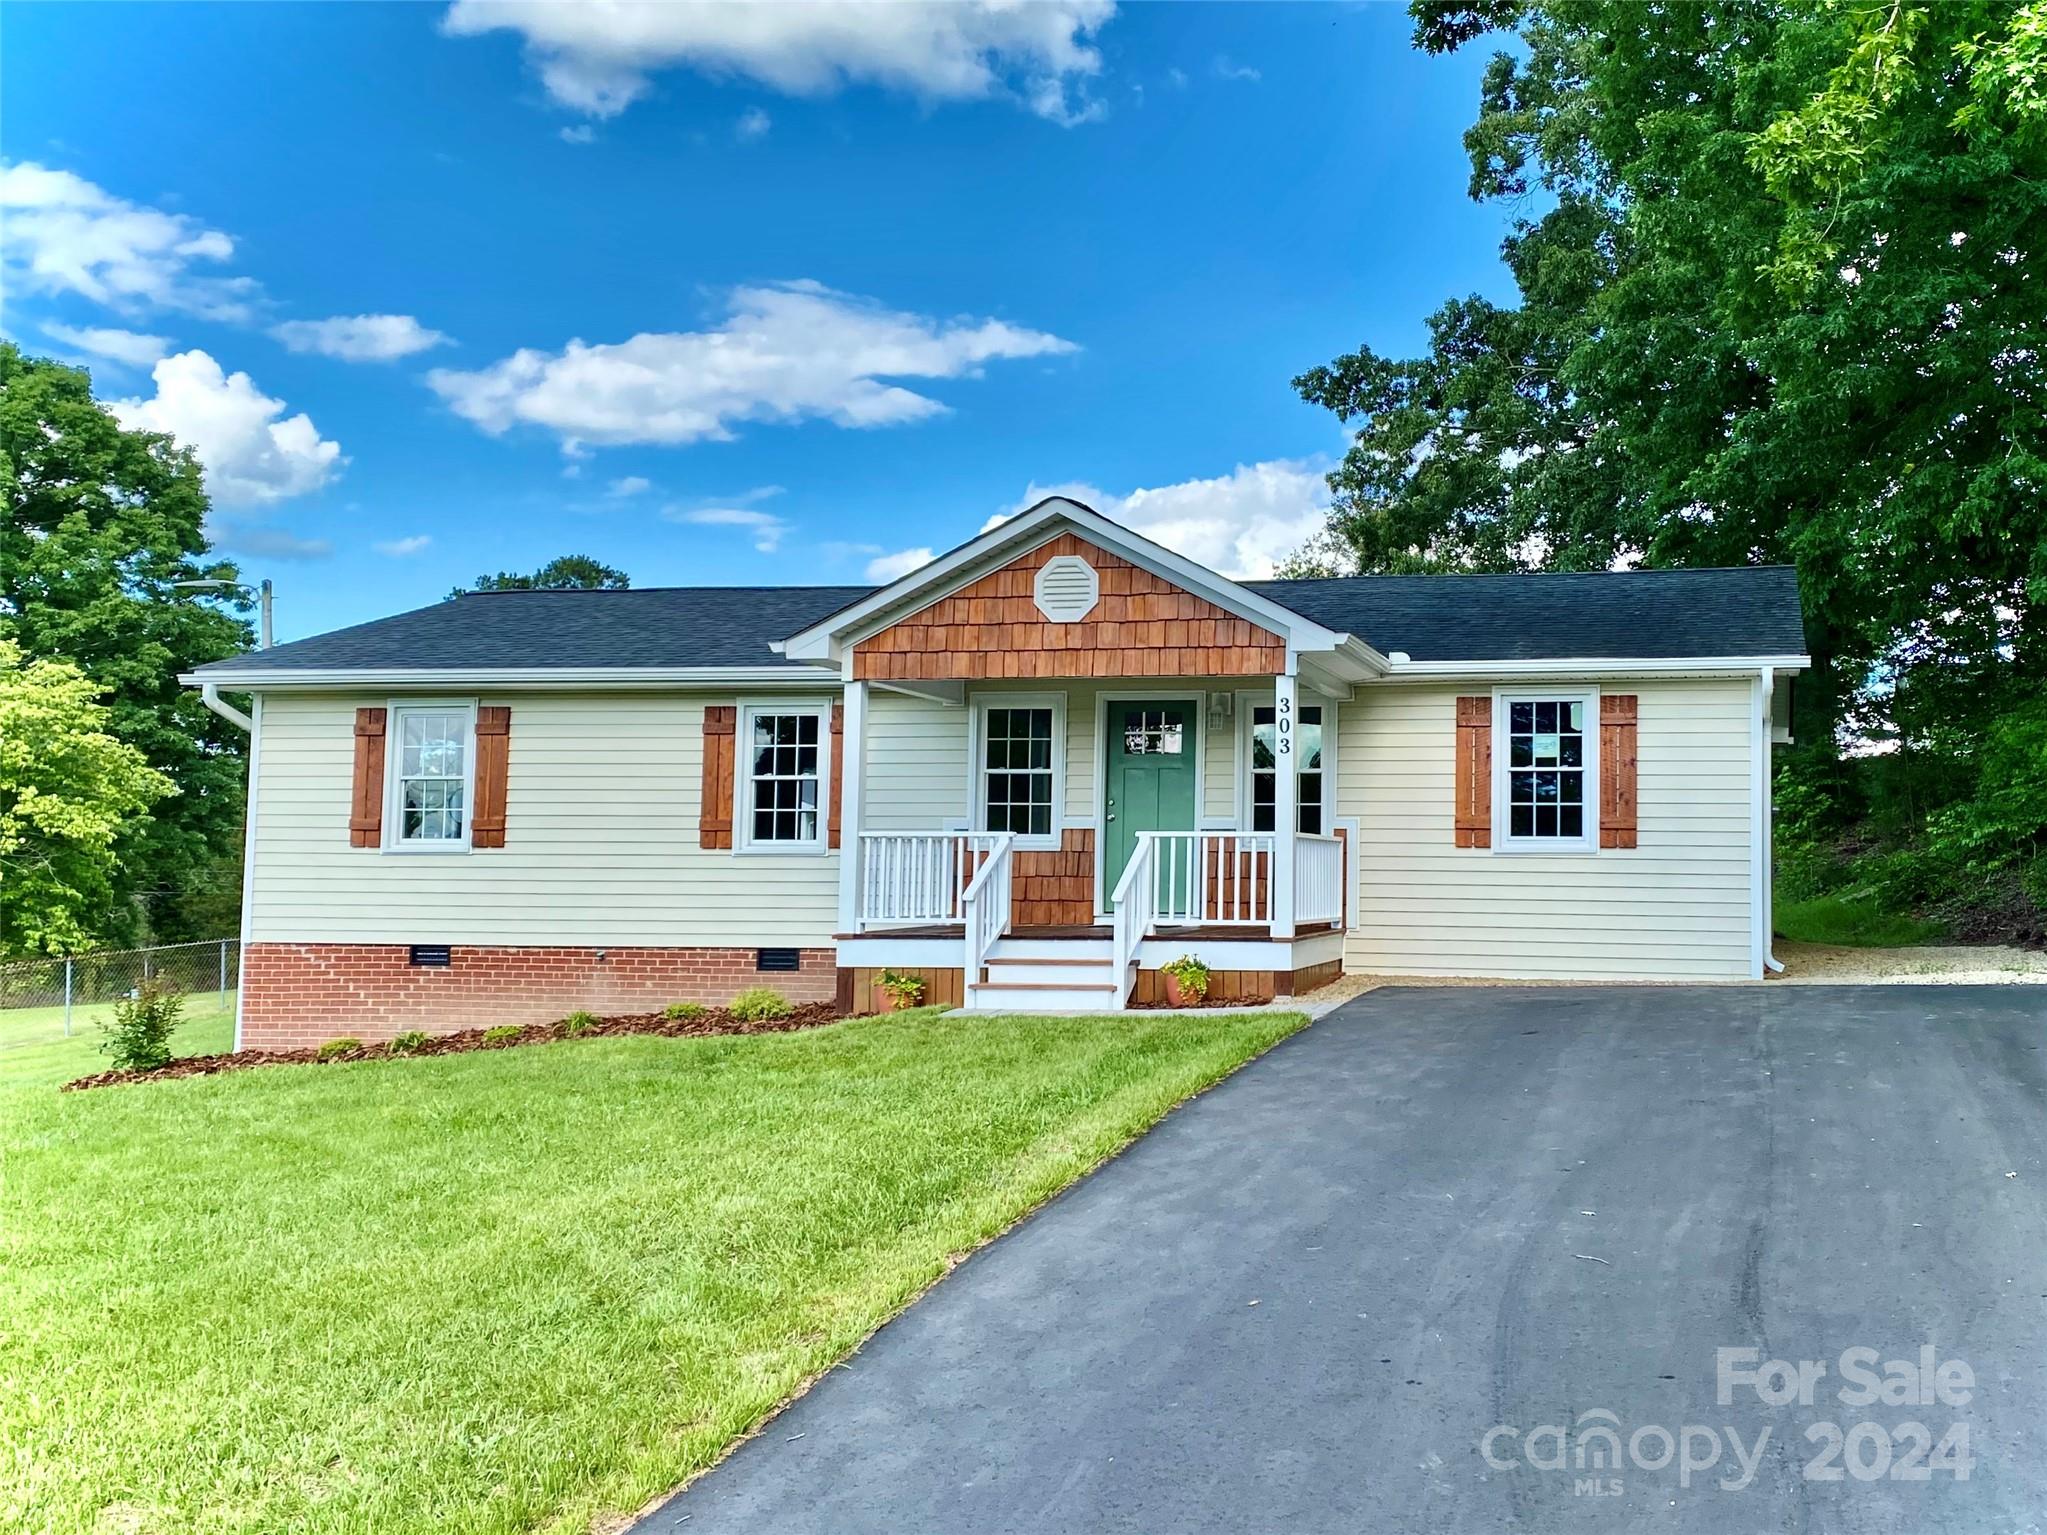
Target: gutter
(524, 676)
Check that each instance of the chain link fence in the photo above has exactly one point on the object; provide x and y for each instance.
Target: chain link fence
(45, 999)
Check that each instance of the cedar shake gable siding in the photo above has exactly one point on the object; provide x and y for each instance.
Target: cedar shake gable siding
(1142, 626)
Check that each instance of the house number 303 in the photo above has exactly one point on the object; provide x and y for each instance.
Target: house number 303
(1286, 726)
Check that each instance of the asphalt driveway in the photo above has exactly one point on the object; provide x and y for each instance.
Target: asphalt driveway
(1386, 1277)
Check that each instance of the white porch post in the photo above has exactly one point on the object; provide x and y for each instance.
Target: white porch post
(853, 743)
(1286, 796)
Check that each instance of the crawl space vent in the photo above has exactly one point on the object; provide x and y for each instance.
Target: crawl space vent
(1067, 589)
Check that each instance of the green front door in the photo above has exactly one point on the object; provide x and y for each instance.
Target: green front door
(1150, 780)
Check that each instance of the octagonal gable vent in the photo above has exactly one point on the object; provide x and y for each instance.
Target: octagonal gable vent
(1067, 589)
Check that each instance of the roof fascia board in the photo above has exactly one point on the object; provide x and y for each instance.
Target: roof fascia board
(1017, 537)
(519, 676)
(1601, 666)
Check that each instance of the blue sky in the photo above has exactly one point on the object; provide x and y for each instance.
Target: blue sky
(725, 296)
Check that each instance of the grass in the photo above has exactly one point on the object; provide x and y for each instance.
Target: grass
(511, 1290)
(27, 1027)
(1843, 919)
(37, 1056)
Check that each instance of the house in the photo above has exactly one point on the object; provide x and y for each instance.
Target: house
(1032, 771)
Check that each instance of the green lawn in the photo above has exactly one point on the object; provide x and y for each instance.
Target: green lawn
(512, 1290)
(1841, 919)
(31, 1028)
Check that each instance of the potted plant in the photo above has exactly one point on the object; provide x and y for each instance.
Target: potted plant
(902, 988)
(1186, 981)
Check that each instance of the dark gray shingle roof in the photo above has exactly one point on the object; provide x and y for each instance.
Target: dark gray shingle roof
(1659, 614)
(1652, 614)
(653, 626)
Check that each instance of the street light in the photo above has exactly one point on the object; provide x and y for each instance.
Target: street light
(216, 584)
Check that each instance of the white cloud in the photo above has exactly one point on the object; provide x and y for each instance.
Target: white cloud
(766, 527)
(596, 59)
(123, 346)
(630, 485)
(753, 124)
(268, 543)
(887, 567)
(579, 133)
(785, 352)
(251, 451)
(1241, 524)
(399, 548)
(1228, 69)
(62, 234)
(359, 337)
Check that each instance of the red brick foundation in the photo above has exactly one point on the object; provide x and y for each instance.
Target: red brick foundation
(296, 994)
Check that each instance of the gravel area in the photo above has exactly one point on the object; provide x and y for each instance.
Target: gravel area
(1805, 964)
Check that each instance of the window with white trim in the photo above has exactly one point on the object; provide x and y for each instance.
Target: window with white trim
(1019, 755)
(1545, 787)
(783, 756)
(1310, 813)
(431, 758)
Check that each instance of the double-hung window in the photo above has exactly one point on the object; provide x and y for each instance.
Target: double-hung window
(1545, 756)
(432, 759)
(783, 772)
(1265, 768)
(1016, 786)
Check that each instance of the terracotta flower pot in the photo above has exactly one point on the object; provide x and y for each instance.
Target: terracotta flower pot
(1178, 995)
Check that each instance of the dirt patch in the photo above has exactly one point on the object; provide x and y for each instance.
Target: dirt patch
(702, 1025)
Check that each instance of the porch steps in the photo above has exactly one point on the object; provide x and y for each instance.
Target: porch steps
(1037, 974)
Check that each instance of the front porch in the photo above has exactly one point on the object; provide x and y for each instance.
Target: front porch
(1068, 756)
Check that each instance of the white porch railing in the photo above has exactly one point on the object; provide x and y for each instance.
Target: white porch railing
(1135, 910)
(912, 877)
(986, 906)
(1210, 878)
(1318, 879)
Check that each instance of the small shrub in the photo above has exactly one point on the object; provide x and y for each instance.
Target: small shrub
(139, 1034)
(579, 1022)
(409, 1043)
(905, 990)
(1192, 975)
(334, 1047)
(503, 1033)
(684, 1010)
(759, 1002)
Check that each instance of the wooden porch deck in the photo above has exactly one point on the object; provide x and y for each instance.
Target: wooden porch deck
(1210, 933)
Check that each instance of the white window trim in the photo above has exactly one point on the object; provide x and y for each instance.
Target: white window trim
(1569, 847)
(977, 750)
(743, 843)
(1246, 703)
(394, 824)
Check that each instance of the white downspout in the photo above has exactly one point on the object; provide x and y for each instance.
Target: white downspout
(1764, 828)
(209, 695)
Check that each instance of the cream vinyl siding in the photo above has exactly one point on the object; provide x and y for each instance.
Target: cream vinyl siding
(916, 779)
(600, 839)
(1677, 906)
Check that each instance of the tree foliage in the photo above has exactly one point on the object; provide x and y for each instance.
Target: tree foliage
(566, 573)
(100, 523)
(1778, 298)
(69, 792)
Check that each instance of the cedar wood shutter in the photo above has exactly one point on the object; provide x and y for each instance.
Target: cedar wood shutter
(493, 747)
(366, 800)
(714, 811)
(838, 755)
(1475, 772)
(1617, 770)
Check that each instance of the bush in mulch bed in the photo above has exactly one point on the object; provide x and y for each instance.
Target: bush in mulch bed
(501, 1037)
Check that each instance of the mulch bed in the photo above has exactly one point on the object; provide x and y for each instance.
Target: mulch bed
(810, 1015)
